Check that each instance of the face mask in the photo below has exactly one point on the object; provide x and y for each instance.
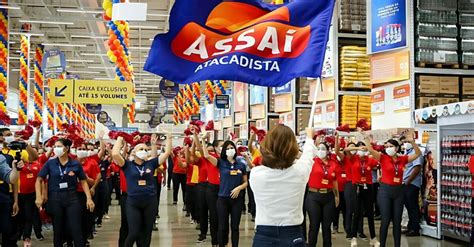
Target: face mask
(1, 146)
(142, 154)
(390, 151)
(9, 139)
(158, 152)
(91, 153)
(48, 149)
(322, 154)
(59, 151)
(81, 153)
(407, 146)
(73, 151)
(353, 152)
(230, 153)
(361, 153)
(131, 158)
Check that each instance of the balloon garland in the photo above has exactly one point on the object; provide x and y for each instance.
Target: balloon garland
(196, 97)
(24, 73)
(59, 116)
(49, 110)
(118, 53)
(39, 90)
(219, 88)
(209, 92)
(3, 59)
(68, 115)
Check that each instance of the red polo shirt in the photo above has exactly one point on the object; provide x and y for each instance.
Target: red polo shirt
(390, 167)
(91, 169)
(201, 163)
(471, 167)
(28, 176)
(362, 170)
(348, 163)
(176, 168)
(213, 174)
(322, 175)
(123, 182)
(189, 174)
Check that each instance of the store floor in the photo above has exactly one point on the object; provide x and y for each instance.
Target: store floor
(175, 230)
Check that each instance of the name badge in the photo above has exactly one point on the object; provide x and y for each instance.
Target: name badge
(102, 169)
(30, 175)
(344, 175)
(325, 182)
(141, 182)
(234, 172)
(63, 185)
(396, 180)
(363, 179)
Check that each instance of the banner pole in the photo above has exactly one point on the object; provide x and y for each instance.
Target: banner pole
(315, 100)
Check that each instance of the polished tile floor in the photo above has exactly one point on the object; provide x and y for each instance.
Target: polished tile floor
(175, 230)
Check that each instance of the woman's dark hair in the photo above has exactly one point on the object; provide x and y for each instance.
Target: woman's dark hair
(279, 148)
(224, 148)
(348, 144)
(395, 143)
(215, 143)
(66, 142)
(360, 144)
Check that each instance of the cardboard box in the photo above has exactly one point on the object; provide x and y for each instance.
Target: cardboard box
(423, 102)
(428, 84)
(448, 85)
(468, 86)
(445, 101)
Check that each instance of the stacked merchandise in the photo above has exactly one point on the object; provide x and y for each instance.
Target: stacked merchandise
(352, 16)
(456, 182)
(354, 108)
(467, 89)
(466, 22)
(355, 68)
(440, 90)
(437, 32)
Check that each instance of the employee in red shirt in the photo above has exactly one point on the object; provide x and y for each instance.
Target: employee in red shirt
(390, 196)
(29, 213)
(92, 171)
(362, 188)
(190, 197)
(179, 175)
(323, 196)
(341, 183)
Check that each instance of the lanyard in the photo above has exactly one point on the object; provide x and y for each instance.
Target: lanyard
(61, 172)
(396, 167)
(325, 169)
(141, 171)
(362, 167)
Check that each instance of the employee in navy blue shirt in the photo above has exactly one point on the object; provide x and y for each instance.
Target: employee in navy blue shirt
(141, 204)
(412, 182)
(233, 179)
(63, 175)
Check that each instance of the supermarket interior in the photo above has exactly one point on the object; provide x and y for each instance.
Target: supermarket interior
(237, 122)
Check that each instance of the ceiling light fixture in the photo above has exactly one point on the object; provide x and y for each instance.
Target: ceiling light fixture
(64, 44)
(158, 15)
(89, 37)
(98, 67)
(94, 54)
(47, 22)
(144, 27)
(84, 72)
(31, 34)
(80, 11)
(9, 7)
(139, 48)
(79, 61)
(138, 62)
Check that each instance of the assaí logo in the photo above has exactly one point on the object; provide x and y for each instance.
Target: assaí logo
(240, 29)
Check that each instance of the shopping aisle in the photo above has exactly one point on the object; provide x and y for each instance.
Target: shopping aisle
(176, 231)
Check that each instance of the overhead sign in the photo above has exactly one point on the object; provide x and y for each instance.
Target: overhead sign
(93, 108)
(91, 92)
(242, 40)
(168, 89)
(387, 22)
(54, 63)
(121, 129)
(286, 88)
(222, 101)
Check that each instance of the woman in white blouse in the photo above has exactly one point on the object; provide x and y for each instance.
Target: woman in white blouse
(279, 186)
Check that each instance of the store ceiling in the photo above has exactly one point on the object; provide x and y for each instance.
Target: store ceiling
(89, 31)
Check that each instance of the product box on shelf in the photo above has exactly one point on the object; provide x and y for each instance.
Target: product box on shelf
(449, 85)
(445, 101)
(423, 102)
(468, 86)
(429, 84)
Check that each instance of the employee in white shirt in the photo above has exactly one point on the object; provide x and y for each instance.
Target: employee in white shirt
(279, 186)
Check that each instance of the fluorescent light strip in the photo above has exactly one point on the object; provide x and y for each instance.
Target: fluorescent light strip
(158, 15)
(47, 22)
(138, 62)
(89, 37)
(80, 11)
(64, 44)
(79, 61)
(139, 73)
(94, 54)
(145, 27)
(139, 48)
(97, 67)
(31, 34)
(9, 7)
(84, 72)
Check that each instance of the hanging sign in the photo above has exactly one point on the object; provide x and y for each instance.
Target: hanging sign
(401, 98)
(378, 102)
(91, 92)
(331, 112)
(242, 40)
(222, 101)
(93, 108)
(283, 89)
(168, 89)
(390, 66)
(54, 63)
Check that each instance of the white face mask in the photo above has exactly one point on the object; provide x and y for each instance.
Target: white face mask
(353, 152)
(1, 146)
(91, 153)
(142, 154)
(230, 153)
(48, 149)
(73, 151)
(407, 146)
(390, 151)
(131, 158)
(362, 153)
(81, 153)
(9, 139)
(322, 154)
(58, 151)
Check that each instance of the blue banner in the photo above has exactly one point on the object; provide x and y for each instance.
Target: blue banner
(242, 40)
(388, 27)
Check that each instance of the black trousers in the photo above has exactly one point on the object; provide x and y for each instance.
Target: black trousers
(179, 180)
(103, 197)
(390, 199)
(340, 209)
(158, 195)
(349, 199)
(123, 232)
(7, 225)
(251, 204)
(321, 208)
(363, 202)
(228, 207)
(305, 211)
(115, 185)
(170, 177)
(141, 217)
(65, 209)
(472, 225)
(202, 208)
(375, 187)
(278, 236)
(87, 217)
(411, 194)
(211, 198)
(28, 217)
(190, 201)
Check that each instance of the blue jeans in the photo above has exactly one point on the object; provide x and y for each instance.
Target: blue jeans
(411, 195)
(278, 236)
(390, 199)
